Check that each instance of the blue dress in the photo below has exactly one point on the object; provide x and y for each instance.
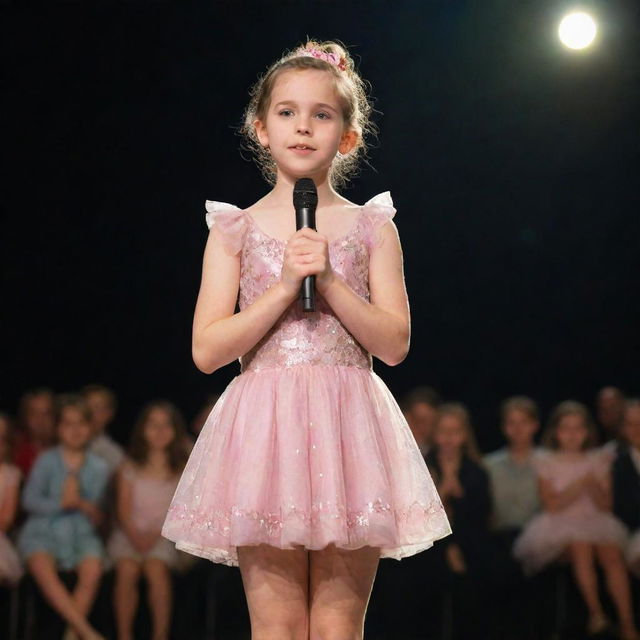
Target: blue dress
(66, 534)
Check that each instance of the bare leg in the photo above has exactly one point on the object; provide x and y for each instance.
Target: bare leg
(276, 585)
(160, 596)
(126, 596)
(340, 586)
(582, 560)
(611, 560)
(89, 574)
(43, 568)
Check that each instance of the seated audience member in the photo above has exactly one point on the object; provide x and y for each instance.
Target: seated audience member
(609, 410)
(35, 427)
(575, 491)
(102, 403)
(146, 483)
(61, 497)
(420, 408)
(511, 469)
(10, 565)
(626, 482)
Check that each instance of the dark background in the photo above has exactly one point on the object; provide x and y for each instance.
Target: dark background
(512, 161)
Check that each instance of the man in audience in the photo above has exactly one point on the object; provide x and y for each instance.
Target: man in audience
(420, 408)
(610, 403)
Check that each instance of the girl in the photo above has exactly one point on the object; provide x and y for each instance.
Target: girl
(10, 567)
(575, 491)
(306, 472)
(145, 485)
(61, 498)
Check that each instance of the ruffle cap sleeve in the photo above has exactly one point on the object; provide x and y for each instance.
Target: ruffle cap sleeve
(377, 211)
(230, 221)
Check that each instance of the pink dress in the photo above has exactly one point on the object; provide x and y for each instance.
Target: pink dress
(10, 566)
(548, 534)
(306, 446)
(150, 499)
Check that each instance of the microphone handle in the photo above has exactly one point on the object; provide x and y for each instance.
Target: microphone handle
(306, 217)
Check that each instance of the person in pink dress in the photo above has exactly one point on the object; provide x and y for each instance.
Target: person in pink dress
(146, 482)
(576, 521)
(305, 473)
(11, 569)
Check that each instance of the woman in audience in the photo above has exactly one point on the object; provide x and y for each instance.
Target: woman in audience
(146, 483)
(62, 497)
(10, 566)
(626, 481)
(575, 491)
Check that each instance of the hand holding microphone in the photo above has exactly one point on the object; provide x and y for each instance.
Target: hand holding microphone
(305, 202)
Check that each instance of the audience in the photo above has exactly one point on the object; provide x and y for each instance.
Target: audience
(575, 490)
(518, 510)
(420, 408)
(36, 429)
(102, 403)
(626, 481)
(609, 411)
(61, 499)
(10, 566)
(146, 484)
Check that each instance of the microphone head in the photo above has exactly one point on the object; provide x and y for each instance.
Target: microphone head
(305, 194)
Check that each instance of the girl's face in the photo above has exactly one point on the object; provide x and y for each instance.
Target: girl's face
(519, 428)
(74, 430)
(101, 410)
(571, 433)
(158, 430)
(631, 426)
(304, 127)
(450, 433)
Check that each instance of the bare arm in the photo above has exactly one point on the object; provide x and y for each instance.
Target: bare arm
(9, 507)
(599, 489)
(221, 336)
(383, 324)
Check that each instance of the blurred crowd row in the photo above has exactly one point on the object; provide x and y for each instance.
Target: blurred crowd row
(72, 500)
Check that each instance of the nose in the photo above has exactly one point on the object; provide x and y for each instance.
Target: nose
(303, 126)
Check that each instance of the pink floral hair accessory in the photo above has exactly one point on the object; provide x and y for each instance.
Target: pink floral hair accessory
(331, 58)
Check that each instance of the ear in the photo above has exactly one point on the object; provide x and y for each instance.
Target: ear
(348, 141)
(261, 132)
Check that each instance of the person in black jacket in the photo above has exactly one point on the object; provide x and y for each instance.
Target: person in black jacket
(626, 482)
(463, 486)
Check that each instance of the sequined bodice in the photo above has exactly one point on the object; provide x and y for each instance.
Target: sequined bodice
(299, 337)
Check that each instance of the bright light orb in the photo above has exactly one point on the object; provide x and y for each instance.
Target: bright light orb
(577, 30)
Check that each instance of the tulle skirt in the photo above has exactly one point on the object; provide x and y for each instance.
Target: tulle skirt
(305, 456)
(547, 535)
(11, 569)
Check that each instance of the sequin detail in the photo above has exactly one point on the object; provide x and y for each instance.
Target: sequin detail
(301, 337)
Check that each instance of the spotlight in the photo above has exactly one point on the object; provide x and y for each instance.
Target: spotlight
(577, 30)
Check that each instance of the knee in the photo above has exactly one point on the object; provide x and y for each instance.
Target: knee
(90, 570)
(334, 625)
(127, 572)
(287, 626)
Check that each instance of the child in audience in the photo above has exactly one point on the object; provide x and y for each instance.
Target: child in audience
(10, 566)
(62, 497)
(420, 408)
(626, 481)
(102, 402)
(146, 483)
(575, 491)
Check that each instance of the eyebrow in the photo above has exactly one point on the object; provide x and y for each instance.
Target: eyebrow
(318, 104)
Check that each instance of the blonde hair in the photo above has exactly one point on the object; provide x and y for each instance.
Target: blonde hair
(519, 403)
(458, 410)
(569, 408)
(352, 93)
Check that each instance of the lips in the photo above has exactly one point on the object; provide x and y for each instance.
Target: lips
(302, 147)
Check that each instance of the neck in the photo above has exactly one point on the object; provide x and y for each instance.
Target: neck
(282, 192)
(520, 451)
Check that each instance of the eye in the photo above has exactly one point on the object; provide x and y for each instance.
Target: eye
(284, 111)
(324, 114)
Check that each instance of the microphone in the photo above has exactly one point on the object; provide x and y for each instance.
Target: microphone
(305, 201)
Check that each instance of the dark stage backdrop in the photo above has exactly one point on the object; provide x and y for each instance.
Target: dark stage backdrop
(512, 162)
